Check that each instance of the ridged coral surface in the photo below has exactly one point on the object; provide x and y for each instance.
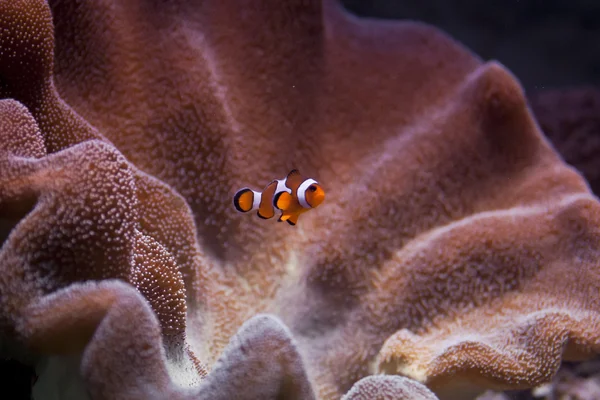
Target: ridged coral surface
(455, 247)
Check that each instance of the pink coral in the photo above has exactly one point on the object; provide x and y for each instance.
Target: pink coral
(455, 247)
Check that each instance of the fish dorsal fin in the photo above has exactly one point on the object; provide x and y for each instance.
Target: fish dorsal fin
(293, 172)
(293, 180)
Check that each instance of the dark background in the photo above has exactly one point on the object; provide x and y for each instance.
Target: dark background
(545, 43)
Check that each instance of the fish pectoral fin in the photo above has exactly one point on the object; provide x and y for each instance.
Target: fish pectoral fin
(282, 200)
(284, 217)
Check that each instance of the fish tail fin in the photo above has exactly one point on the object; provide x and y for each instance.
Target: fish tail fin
(246, 200)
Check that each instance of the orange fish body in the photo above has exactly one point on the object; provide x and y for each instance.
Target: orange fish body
(293, 195)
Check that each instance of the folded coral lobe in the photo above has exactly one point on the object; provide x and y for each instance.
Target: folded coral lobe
(455, 247)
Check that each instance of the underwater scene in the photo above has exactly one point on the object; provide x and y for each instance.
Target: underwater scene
(299, 199)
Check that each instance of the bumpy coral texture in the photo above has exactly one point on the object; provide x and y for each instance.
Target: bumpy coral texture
(455, 246)
(388, 387)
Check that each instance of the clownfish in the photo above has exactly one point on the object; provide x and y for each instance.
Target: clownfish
(293, 195)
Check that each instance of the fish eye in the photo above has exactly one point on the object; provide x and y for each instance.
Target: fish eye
(312, 188)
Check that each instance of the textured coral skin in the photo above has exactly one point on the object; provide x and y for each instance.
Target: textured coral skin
(388, 387)
(455, 246)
